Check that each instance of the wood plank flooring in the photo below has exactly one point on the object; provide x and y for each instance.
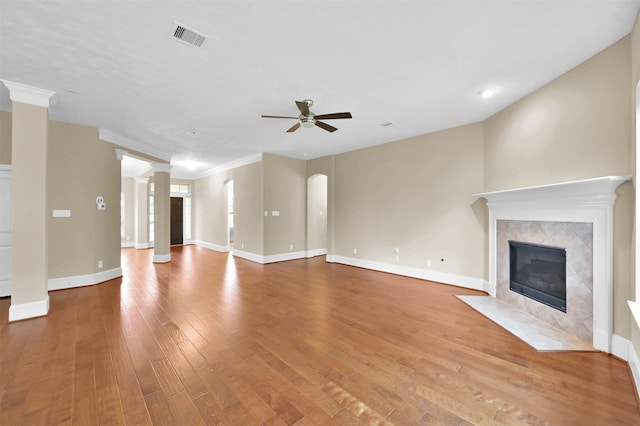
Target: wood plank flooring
(211, 339)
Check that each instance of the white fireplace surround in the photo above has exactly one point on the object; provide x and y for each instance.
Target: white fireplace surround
(588, 201)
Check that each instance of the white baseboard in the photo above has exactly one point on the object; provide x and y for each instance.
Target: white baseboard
(316, 252)
(142, 246)
(161, 258)
(272, 258)
(5, 288)
(83, 280)
(634, 364)
(620, 347)
(127, 244)
(249, 256)
(29, 310)
(211, 246)
(424, 274)
(282, 257)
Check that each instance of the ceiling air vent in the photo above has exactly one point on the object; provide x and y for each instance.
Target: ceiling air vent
(187, 35)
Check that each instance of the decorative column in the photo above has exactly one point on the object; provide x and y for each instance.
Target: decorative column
(161, 213)
(141, 213)
(29, 263)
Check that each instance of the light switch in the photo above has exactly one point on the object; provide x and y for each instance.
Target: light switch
(275, 213)
(62, 213)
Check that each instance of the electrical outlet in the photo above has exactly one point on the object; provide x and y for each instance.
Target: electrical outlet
(355, 251)
(290, 246)
(242, 245)
(397, 250)
(428, 262)
(100, 264)
(397, 258)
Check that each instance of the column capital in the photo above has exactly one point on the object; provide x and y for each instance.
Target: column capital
(161, 168)
(30, 95)
(141, 179)
(120, 153)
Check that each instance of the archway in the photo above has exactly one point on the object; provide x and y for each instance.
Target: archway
(317, 215)
(229, 202)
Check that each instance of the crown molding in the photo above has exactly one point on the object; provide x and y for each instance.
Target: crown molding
(120, 153)
(161, 168)
(30, 95)
(121, 140)
(144, 180)
(231, 165)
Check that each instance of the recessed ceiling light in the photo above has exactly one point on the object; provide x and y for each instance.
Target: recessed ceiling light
(74, 91)
(191, 165)
(192, 133)
(488, 92)
(387, 124)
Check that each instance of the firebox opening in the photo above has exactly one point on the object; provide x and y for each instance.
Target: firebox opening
(539, 272)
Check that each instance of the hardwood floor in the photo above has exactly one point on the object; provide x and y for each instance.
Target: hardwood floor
(210, 339)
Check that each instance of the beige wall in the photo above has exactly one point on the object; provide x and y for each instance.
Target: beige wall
(635, 129)
(284, 191)
(578, 126)
(5, 137)
(81, 167)
(210, 210)
(415, 195)
(575, 127)
(128, 186)
(29, 208)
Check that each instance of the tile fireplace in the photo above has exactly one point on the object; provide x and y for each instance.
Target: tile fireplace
(585, 210)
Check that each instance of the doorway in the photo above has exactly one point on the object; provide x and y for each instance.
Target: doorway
(230, 212)
(177, 234)
(317, 215)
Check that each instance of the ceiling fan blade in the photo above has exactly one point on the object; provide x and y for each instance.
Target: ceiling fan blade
(325, 126)
(294, 127)
(303, 107)
(334, 116)
(277, 116)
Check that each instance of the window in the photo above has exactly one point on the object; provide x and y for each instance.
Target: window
(179, 188)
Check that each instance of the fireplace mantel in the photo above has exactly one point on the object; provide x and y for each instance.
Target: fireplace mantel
(589, 201)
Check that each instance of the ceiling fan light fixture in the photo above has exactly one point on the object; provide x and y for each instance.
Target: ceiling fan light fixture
(307, 121)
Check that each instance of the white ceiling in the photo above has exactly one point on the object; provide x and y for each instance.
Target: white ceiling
(417, 64)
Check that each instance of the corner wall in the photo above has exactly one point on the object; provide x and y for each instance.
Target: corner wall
(415, 195)
(578, 126)
(80, 168)
(285, 192)
(210, 210)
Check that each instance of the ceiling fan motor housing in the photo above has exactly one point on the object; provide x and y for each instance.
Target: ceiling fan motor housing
(307, 120)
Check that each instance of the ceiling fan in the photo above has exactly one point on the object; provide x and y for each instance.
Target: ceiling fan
(309, 119)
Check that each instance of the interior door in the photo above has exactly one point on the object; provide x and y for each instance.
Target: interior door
(176, 220)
